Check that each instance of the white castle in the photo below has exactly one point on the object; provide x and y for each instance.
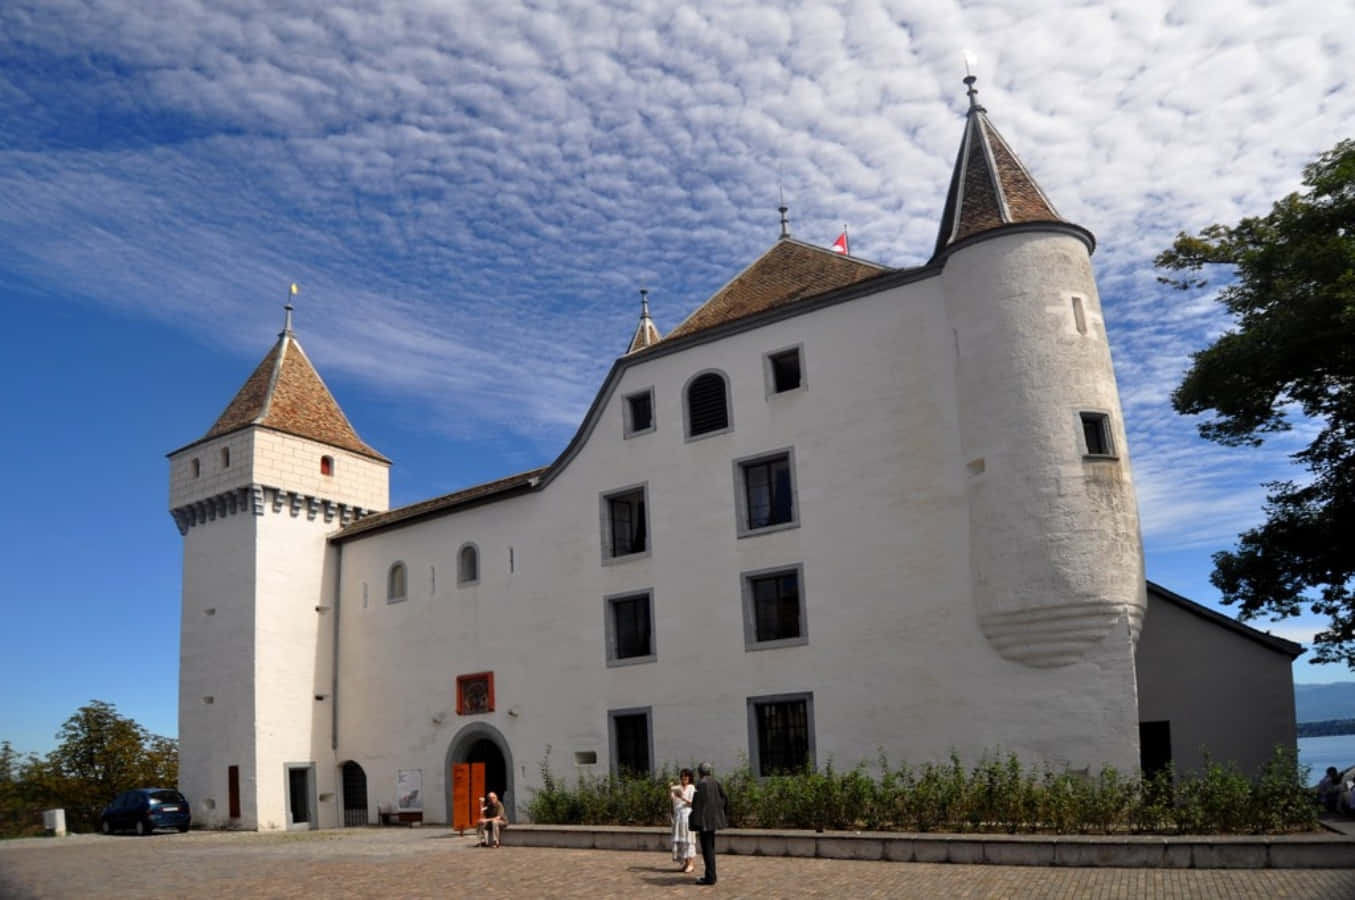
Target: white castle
(841, 508)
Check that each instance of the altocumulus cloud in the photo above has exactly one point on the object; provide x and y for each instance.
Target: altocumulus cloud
(472, 193)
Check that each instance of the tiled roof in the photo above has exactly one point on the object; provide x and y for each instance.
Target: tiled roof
(990, 187)
(789, 272)
(287, 394)
(444, 503)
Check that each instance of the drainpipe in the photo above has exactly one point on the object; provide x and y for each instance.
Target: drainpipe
(334, 663)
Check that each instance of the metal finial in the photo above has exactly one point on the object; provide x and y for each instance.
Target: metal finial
(287, 322)
(972, 92)
(785, 219)
(644, 303)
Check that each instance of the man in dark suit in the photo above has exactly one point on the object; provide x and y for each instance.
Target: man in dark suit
(708, 816)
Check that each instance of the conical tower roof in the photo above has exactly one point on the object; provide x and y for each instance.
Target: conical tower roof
(285, 393)
(990, 188)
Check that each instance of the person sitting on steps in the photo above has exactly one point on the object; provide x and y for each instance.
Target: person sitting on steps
(492, 819)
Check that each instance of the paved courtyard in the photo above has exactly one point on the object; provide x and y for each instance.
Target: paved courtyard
(413, 863)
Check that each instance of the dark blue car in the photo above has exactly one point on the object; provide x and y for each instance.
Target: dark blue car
(145, 809)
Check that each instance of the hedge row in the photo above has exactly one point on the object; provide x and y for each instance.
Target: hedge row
(997, 795)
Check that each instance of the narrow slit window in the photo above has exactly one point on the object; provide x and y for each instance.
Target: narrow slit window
(1096, 434)
(196, 466)
(1079, 316)
(326, 465)
(225, 457)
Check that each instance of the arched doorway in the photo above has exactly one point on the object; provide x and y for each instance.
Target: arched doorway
(482, 743)
(354, 795)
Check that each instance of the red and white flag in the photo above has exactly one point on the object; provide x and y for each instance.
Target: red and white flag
(840, 245)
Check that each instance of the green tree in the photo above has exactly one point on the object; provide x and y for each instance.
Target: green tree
(102, 753)
(1291, 291)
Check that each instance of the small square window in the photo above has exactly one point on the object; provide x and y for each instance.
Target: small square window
(475, 694)
(765, 493)
(625, 524)
(1096, 434)
(629, 628)
(785, 370)
(639, 413)
(632, 750)
(781, 733)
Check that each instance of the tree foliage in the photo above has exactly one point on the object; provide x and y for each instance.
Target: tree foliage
(1292, 350)
(101, 754)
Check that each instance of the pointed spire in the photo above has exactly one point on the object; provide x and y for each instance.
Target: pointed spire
(285, 393)
(646, 333)
(990, 187)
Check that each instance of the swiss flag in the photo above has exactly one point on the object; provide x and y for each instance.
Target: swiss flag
(840, 245)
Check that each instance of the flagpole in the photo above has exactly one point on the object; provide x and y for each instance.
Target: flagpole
(846, 241)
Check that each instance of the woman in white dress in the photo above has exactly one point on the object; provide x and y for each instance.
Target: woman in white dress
(684, 847)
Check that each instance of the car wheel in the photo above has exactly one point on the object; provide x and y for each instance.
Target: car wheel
(143, 827)
(183, 829)
(106, 826)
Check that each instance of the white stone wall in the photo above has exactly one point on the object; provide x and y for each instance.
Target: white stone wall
(264, 654)
(216, 660)
(1221, 693)
(895, 657)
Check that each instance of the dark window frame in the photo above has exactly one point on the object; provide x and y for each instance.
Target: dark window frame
(783, 711)
(614, 738)
(625, 533)
(774, 370)
(752, 604)
(780, 494)
(692, 417)
(629, 428)
(612, 627)
(1098, 439)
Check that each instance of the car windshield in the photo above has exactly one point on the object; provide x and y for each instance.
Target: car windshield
(166, 797)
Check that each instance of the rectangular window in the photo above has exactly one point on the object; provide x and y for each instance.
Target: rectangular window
(630, 741)
(776, 606)
(639, 413)
(781, 733)
(1079, 316)
(1096, 434)
(233, 790)
(784, 370)
(630, 628)
(765, 493)
(625, 523)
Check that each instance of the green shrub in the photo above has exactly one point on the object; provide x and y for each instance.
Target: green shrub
(996, 795)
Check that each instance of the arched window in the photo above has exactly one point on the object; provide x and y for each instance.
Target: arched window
(468, 565)
(395, 583)
(707, 407)
(326, 465)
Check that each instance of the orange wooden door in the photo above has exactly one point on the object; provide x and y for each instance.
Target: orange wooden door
(468, 786)
(461, 798)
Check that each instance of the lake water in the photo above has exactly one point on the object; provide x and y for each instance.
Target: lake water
(1332, 750)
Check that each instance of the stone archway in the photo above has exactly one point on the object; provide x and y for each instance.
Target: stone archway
(483, 743)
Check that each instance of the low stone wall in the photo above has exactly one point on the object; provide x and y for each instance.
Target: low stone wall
(1305, 851)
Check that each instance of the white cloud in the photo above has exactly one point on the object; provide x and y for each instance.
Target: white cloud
(472, 194)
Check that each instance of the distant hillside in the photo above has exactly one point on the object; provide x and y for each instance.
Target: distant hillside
(1321, 702)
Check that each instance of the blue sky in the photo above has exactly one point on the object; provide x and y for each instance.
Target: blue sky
(471, 196)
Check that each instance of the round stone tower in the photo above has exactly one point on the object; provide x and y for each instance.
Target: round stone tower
(1055, 552)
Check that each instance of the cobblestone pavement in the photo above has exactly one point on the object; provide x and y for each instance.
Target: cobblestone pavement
(416, 863)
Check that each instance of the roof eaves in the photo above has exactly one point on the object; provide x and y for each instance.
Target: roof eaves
(447, 504)
(1270, 641)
